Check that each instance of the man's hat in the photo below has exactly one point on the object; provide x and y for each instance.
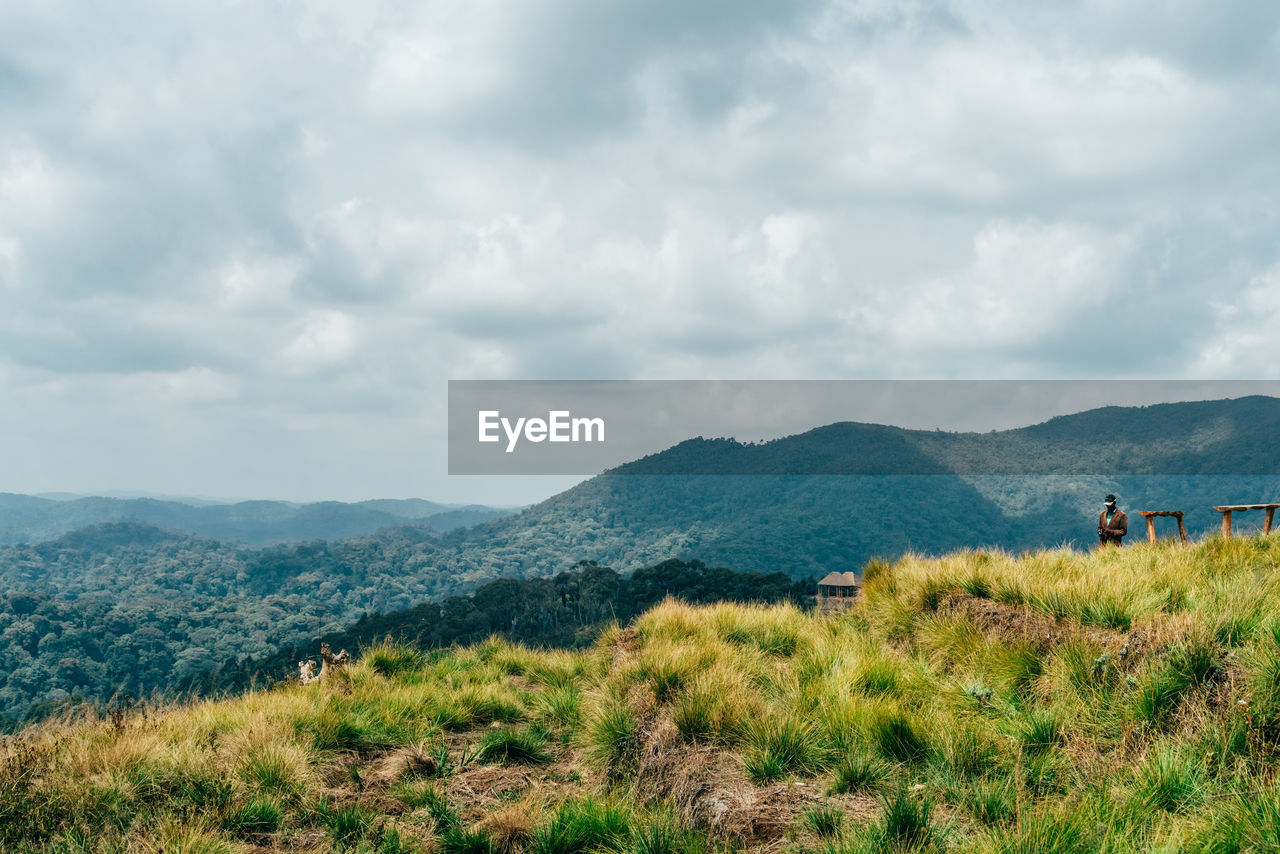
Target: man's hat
(1111, 499)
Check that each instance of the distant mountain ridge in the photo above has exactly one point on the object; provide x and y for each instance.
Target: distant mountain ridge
(1220, 437)
(31, 519)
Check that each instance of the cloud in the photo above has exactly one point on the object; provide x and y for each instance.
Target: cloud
(277, 217)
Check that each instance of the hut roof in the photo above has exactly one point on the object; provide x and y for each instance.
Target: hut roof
(840, 579)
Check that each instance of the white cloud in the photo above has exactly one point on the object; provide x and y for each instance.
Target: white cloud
(288, 211)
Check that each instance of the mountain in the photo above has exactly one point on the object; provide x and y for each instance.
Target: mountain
(1125, 700)
(29, 519)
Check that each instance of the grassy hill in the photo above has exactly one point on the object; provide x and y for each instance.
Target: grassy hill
(1059, 701)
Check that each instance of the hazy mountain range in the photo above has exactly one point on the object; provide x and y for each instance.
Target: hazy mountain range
(29, 519)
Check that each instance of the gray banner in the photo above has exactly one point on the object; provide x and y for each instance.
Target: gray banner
(938, 427)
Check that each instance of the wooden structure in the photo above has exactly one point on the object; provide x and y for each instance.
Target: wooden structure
(1227, 509)
(837, 587)
(1150, 516)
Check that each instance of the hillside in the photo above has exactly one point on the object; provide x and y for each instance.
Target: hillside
(566, 610)
(1114, 701)
(32, 519)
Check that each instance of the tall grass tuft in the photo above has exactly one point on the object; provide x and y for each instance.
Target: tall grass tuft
(1169, 781)
(513, 747)
(858, 772)
(390, 659)
(776, 747)
(612, 734)
(825, 820)
(582, 827)
(898, 738)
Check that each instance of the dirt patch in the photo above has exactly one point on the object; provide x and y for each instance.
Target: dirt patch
(626, 646)
(479, 791)
(709, 790)
(1018, 622)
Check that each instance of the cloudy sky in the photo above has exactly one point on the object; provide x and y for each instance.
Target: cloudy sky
(244, 245)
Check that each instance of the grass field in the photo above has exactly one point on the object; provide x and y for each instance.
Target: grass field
(1115, 701)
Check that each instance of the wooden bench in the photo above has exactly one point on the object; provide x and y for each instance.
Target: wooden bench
(1227, 509)
(1150, 516)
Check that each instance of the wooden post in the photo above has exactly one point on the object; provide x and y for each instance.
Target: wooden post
(1182, 529)
(1271, 514)
(1226, 523)
(1151, 528)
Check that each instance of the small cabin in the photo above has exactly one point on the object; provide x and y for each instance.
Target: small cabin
(838, 585)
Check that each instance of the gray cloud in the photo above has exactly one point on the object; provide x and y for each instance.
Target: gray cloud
(280, 229)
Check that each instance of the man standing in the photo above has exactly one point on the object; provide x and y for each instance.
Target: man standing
(1112, 523)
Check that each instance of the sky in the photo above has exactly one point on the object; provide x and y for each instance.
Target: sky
(245, 245)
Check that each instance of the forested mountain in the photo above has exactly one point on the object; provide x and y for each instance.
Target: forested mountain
(31, 519)
(832, 497)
